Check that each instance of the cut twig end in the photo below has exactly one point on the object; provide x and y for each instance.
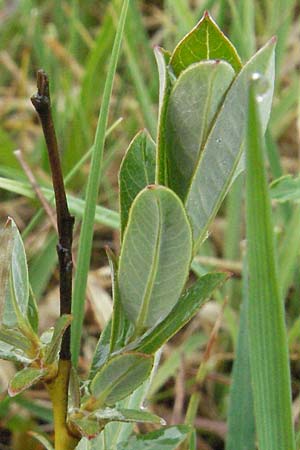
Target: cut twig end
(41, 100)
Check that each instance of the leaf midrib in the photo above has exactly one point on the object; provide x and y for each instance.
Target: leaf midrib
(152, 275)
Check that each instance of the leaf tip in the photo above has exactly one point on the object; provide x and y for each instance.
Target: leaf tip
(151, 187)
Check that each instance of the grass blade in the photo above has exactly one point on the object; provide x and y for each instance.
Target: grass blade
(86, 235)
(267, 334)
(241, 427)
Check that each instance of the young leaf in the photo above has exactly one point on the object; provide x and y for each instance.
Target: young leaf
(165, 83)
(119, 376)
(269, 361)
(102, 350)
(32, 311)
(10, 353)
(223, 147)
(136, 172)
(92, 424)
(194, 102)
(205, 41)
(17, 290)
(119, 324)
(187, 306)
(155, 256)
(53, 348)
(6, 246)
(165, 439)
(24, 379)
(126, 415)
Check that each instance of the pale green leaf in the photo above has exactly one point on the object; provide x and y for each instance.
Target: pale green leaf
(269, 359)
(11, 353)
(17, 290)
(92, 424)
(136, 172)
(155, 256)
(187, 306)
(24, 379)
(205, 41)
(165, 439)
(165, 83)
(120, 324)
(53, 347)
(102, 350)
(120, 376)
(223, 147)
(194, 102)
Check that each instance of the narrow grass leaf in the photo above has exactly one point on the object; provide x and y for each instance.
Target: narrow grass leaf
(241, 427)
(102, 215)
(136, 172)
(205, 41)
(42, 440)
(86, 234)
(267, 334)
(155, 256)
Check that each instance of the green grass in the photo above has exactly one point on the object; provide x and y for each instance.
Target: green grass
(87, 31)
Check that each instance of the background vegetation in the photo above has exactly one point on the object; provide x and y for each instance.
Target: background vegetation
(72, 41)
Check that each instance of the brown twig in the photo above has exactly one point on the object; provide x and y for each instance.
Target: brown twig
(65, 222)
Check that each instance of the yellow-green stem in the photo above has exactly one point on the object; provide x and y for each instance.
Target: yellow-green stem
(58, 391)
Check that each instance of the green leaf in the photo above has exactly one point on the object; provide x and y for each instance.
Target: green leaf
(286, 188)
(16, 338)
(91, 425)
(42, 439)
(205, 41)
(53, 348)
(165, 439)
(223, 147)
(120, 376)
(17, 290)
(24, 379)
(93, 183)
(10, 353)
(103, 215)
(155, 256)
(187, 306)
(194, 102)
(165, 83)
(269, 360)
(102, 350)
(32, 311)
(127, 415)
(120, 323)
(241, 427)
(6, 246)
(136, 172)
